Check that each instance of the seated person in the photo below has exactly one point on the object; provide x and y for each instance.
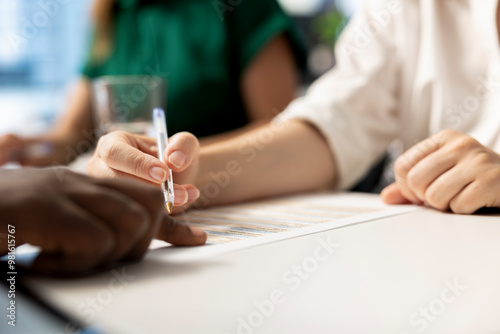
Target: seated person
(82, 223)
(425, 75)
(226, 67)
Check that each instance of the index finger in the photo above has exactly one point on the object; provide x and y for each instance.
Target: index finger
(408, 160)
(414, 155)
(125, 158)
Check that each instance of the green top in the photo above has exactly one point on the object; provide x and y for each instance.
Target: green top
(201, 48)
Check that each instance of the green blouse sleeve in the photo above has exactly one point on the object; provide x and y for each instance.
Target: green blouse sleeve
(253, 23)
(249, 26)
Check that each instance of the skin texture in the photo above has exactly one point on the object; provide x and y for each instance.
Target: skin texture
(117, 149)
(269, 160)
(268, 84)
(82, 223)
(448, 171)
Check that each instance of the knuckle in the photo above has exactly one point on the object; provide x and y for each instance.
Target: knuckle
(401, 166)
(171, 228)
(177, 230)
(141, 165)
(467, 202)
(91, 166)
(465, 143)
(107, 149)
(447, 133)
(433, 198)
(95, 169)
(412, 180)
(494, 175)
(119, 133)
(482, 158)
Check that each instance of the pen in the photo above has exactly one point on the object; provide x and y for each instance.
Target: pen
(160, 125)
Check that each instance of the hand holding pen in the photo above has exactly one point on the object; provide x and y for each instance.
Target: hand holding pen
(124, 155)
(160, 125)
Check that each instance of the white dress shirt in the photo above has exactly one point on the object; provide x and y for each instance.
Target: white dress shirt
(405, 70)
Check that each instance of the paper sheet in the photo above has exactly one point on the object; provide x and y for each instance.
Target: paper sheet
(240, 226)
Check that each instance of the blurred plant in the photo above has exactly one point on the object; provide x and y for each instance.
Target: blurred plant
(329, 25)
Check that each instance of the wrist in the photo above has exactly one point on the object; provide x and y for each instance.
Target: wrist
(200, 182)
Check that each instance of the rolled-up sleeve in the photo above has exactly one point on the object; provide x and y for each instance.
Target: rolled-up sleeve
(354, 105)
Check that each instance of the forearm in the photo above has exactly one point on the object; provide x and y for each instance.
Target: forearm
(229, 135)
(271, 160)
(73, 134)
(76, 123)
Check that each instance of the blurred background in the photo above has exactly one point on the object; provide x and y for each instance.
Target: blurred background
(38, 62)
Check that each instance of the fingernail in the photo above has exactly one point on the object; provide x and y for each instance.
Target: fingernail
(177, 159)
(193, 193)
(181, 197)
(158, 174)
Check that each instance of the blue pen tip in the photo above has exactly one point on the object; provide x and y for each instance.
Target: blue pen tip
(157, 112)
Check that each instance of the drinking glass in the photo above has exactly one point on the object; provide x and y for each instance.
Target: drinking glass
(126, 102)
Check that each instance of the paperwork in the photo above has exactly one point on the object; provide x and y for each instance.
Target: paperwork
(240, 226)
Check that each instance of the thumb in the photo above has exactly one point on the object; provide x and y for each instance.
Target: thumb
(182, 151)
(392, 195)
(179, 233)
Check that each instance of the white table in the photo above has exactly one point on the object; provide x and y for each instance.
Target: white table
(421, 272)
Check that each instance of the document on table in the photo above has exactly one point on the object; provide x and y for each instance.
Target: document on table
(245, 225)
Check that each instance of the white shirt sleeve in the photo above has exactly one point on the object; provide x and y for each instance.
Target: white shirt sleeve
(354, 104)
